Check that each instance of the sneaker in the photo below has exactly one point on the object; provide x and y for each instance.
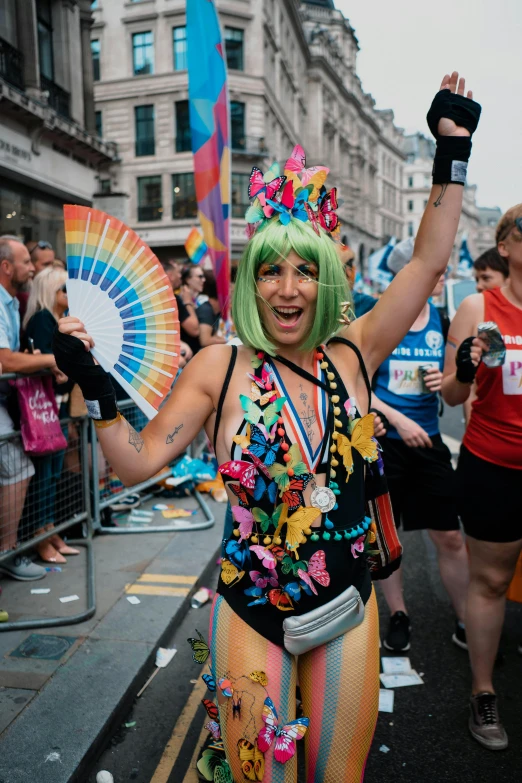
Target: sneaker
(459, 637)
(131, 501)
(398, 636)
(21, 568)
(484, 723)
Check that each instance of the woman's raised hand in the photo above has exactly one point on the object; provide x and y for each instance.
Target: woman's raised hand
(74, 327)
(457, 85)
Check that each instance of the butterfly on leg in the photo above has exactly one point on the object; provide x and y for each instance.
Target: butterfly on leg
(284, 736)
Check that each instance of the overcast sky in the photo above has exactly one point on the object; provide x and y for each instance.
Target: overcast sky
(408, 45)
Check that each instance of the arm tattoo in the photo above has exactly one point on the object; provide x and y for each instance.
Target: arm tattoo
(170, 438)
(135, 438)
(438, 202)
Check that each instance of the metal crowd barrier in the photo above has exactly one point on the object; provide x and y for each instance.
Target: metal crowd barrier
(69, 488)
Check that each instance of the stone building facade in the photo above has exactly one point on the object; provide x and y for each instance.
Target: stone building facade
(292, 79)
(50, 153)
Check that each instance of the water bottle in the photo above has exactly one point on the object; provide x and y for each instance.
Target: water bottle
(200, 598)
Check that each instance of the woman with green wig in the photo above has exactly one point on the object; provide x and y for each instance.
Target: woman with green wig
(287, 412)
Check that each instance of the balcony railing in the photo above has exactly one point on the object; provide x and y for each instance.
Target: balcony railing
(59, 99)
(11, 64)
(249, 145)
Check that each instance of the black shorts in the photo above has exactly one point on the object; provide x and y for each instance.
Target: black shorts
(489, 499)
(422, 484)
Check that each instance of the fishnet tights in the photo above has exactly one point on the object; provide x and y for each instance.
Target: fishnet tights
(339, 685)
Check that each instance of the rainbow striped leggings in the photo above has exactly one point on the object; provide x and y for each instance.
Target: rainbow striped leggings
(339, 685)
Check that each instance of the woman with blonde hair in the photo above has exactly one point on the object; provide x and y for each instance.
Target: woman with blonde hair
(47, 303)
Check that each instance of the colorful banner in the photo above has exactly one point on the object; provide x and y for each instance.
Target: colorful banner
(209, 125)
(195, 246)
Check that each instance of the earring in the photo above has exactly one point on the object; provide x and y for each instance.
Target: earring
(345, 318)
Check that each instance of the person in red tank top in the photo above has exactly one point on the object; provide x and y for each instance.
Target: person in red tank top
(489, 473)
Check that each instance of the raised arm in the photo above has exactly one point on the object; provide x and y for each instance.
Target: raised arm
(452, 119)
(135, 456)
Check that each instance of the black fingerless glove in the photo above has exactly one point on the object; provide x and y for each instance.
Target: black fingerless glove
(452, 152)
(78, 364)
(466, 370)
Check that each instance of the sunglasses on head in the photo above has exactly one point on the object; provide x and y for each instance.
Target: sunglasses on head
(63, 289)
(43, 245)
(508, 229)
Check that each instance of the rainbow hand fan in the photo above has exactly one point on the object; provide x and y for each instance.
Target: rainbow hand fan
(118, 289)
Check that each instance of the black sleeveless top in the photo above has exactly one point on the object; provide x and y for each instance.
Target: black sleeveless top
(265, 575)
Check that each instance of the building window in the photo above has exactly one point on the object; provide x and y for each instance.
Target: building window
(98, 119)
(239, 194)
(184, 203)
(410, 182)
(142, 54)
(144, 126)
(183, 135)
(95, 52)
(410, 229)
(105, 186)
(150, 204)
(234, 48)
(44, 21)
(237, 125)
(179, 46)
(410, 206)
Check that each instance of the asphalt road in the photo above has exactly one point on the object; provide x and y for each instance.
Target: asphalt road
(426, 735)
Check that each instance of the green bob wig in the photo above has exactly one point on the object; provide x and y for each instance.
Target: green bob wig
(270, 243)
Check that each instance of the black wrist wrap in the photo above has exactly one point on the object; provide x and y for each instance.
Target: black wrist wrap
(451, 160)
(466, 370)
(452, 153)
(78, 364)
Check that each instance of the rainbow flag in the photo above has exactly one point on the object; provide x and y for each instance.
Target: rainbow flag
(209, 125)
(195, 246)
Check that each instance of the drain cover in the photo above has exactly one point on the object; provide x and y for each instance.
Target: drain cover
(44, 647)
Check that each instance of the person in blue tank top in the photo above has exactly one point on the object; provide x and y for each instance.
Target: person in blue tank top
(417, 462)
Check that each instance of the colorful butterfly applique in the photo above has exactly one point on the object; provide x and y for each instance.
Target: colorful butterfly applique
(263, 580)
(236, 706)
(230, 574)
(252, 760)
(237, 552)
(293, 496)
(214, 728)
(295, 467)
(325, 216)
(292, 205)
(358, 546)
(261, 446)
(263, 487)
(200, 649)
(243, 440)
(265, 555)
(285, 736)
(361, 439)
(296, 525)
(209, 682)
(211, 708)
(212, 763)
(260, 677)
(265, 186)
(316, 570)
(245, 519)
(226, 687)
(281, 597)
(241, 493)
(262, 399)
(253, 413)
(296, 172)
(264, 520)
(242, 470)
(266, 381)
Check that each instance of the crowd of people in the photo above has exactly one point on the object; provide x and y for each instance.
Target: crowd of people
(33, 296)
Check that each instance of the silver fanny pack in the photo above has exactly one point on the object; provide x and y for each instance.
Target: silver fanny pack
(305, 631)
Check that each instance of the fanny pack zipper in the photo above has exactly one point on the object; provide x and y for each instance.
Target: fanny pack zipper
(318, 623)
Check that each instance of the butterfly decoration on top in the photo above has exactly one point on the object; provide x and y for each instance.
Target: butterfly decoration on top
(298, 193)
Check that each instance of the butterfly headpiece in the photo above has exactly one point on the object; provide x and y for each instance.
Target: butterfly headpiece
(298, 193)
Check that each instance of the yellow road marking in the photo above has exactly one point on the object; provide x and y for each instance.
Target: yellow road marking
(192, 774)
(156, 590)
(173, 746)
(168, 579)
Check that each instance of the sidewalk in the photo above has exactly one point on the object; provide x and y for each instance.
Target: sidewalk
(63, 689)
